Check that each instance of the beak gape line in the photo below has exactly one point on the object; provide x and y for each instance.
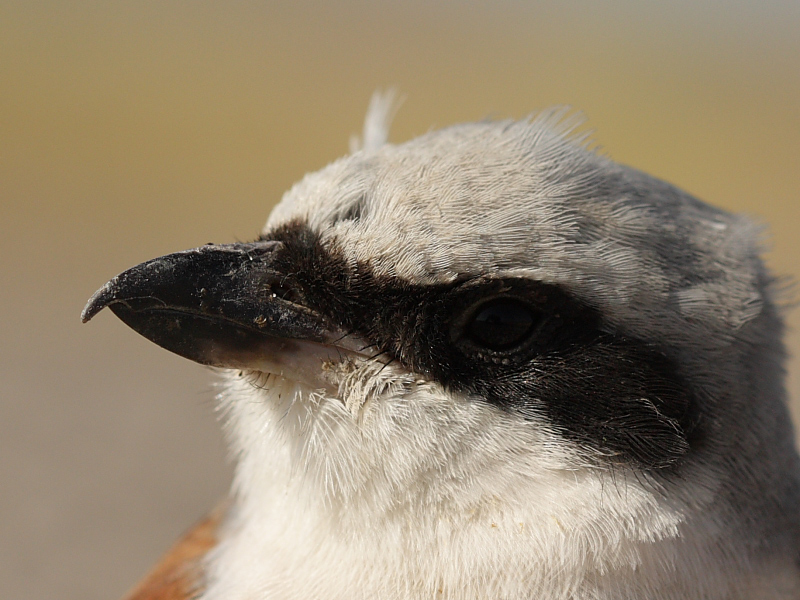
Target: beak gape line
(221, 305)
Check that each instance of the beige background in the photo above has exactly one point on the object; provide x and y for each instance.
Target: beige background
(133, 129)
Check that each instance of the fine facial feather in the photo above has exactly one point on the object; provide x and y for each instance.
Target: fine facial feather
(434, 493)
(633, 444)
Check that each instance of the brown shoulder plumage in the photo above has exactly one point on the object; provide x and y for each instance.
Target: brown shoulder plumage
(178, 575)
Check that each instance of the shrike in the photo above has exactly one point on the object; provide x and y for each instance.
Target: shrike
(487, 363)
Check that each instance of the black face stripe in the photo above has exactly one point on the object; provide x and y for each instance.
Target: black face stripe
(609, 393)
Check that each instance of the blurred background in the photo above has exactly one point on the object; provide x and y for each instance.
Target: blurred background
(133, 129)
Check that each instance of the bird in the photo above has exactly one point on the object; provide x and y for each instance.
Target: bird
(488, 362)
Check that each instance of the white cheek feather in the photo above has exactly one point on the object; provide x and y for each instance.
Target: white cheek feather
(402, 486)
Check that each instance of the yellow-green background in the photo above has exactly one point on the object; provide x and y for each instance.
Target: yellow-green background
(133, 129)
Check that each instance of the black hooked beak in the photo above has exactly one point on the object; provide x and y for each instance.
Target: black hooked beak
(224, 306)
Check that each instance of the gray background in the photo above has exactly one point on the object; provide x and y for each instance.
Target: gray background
(130, 130)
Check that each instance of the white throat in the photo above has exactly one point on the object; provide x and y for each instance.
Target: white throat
(412, 492)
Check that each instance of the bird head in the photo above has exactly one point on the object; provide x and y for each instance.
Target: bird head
(487, 362)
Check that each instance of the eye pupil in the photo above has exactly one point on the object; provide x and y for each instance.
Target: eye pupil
(501, 324)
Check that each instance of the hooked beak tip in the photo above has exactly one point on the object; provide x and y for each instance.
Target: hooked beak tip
(99, 300)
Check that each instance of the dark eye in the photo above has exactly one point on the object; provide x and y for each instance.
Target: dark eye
(501, 324)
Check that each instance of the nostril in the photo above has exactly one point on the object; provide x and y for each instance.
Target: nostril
(285, 292)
